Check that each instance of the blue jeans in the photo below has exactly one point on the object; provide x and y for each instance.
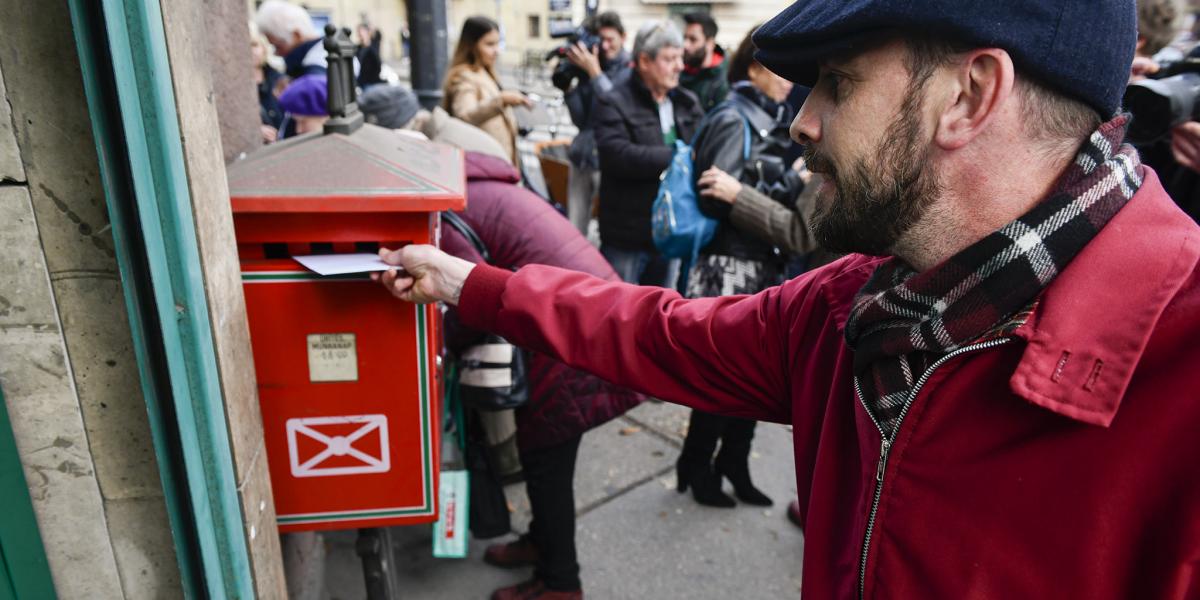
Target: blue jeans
(642, 267)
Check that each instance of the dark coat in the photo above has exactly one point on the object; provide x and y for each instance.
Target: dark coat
(519, 228)
(633, 155)
(269, 111)
(710, 84)
(721, 143)
(370, 62)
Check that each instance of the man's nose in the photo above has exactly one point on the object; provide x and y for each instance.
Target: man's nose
(806, 127)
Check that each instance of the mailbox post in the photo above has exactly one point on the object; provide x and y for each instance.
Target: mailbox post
(348, 377)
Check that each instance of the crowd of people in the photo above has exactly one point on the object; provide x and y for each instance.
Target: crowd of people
(972, 166)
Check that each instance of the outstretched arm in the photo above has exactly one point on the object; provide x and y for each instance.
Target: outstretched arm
(724, 355)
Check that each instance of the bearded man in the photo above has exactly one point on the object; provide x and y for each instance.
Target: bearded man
(995, 396)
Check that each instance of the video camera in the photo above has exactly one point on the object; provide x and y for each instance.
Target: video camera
(1169, 98)
(580, 35)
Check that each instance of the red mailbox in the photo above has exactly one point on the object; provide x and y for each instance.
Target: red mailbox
(348, 377)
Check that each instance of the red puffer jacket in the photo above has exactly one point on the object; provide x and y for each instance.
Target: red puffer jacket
(1059, 463)
(518, 228)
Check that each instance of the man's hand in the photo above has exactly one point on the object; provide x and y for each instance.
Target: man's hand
(426, 274)
(715, 183)
(588, 60)
(1185, 145)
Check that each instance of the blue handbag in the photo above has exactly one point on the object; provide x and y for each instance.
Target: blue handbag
(678, 227)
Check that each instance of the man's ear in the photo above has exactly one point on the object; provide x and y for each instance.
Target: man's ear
(980, 85)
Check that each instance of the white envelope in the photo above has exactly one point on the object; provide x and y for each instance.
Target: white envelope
(338, 445)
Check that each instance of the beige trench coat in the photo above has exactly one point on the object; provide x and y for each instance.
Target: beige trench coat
(474, 97)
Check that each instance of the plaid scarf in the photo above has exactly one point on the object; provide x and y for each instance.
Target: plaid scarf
(903, 321)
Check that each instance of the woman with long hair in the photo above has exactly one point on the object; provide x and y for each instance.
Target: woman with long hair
(737, 262)
(472, 90)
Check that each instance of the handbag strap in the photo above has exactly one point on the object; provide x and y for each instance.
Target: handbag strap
(454, 220)
(746, 128)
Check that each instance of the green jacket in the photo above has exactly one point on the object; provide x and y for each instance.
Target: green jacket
(710, 84)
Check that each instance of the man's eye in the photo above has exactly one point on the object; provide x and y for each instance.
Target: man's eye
(833, 80)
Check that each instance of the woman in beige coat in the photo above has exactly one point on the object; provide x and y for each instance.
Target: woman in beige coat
(472, 90)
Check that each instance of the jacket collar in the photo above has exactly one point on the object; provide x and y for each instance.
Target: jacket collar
(618, 64)
(1088, 333)
(715, 67)
(306, 58)
(677, 95)
(751, 101)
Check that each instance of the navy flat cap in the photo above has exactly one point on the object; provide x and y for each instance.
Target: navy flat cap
(1083, 48)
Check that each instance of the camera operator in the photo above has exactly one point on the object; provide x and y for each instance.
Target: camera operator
(1176, 157)
(586, 73)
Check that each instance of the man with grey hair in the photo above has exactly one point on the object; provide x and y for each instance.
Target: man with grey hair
(637, 124)
(290, 29)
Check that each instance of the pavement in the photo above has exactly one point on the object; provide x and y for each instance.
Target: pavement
(637, 537)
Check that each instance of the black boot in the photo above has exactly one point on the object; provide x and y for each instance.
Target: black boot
(733, 461)
(694, 468)
(705, 484)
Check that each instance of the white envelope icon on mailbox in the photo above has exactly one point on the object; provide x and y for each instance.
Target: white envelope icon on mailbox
(338, 441)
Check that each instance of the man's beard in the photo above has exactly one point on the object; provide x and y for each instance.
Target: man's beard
(880, 196)
(694, 60)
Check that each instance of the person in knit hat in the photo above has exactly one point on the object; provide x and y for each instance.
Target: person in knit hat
(396, 107)
(305, 101)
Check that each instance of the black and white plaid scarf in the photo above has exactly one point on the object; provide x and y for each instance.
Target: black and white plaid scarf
(903, 321)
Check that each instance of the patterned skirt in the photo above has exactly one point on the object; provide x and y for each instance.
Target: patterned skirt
(715, 275)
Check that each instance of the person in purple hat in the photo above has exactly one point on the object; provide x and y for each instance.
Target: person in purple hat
(305, 101)
(994, 394)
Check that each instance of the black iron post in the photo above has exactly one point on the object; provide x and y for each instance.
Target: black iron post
(429, 52)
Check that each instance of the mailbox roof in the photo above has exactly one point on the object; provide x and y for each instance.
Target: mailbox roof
(371, 170)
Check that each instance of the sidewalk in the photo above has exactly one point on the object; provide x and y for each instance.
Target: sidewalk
(637, 537)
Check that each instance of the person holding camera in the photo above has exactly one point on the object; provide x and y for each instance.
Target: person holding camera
(584, 73)
(1168, 142)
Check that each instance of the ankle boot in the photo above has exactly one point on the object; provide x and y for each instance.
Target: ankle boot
(733, 461)
(738, 473)
(705, 484)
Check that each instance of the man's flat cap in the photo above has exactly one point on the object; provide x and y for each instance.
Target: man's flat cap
(1083, 48)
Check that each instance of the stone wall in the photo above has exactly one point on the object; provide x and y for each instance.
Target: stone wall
(66, 361)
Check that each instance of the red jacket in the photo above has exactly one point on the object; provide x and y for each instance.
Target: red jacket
(1062, 463)
(519, 228)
